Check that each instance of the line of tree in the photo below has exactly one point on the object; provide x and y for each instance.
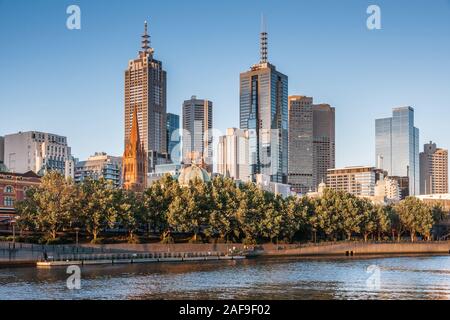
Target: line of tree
(218, 210)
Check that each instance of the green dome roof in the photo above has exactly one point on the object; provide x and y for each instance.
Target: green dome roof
(3, 168)
(192, 173)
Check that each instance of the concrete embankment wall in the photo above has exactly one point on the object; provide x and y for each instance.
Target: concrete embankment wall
(356, 248)
(339, 248)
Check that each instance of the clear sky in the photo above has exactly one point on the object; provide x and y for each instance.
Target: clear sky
(70, 82)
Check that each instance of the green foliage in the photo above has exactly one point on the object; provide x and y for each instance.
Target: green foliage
(218, 210)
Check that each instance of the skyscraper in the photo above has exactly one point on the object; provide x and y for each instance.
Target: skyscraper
(134, 159)
(397, 146)
(433, 170)
(145, 89)
(300, 162)
(264, 112)
(232, 155)
(197, 132)
(324, 146)
(173, 137)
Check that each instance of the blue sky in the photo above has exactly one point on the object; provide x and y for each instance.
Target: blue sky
(71, 82)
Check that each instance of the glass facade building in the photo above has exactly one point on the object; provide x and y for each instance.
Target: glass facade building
(397, 146)
(173, 137)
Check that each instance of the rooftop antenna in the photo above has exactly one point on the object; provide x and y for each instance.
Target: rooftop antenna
(263, 40)
(145, 38)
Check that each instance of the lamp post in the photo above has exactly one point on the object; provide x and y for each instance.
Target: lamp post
(76, 235)
(13, 223)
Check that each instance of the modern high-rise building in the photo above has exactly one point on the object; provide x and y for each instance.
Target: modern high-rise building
(39, 152)
(134, 161)
(397, 146)
(359, 181)
(232, 155)
(146, 90)
(433, 170)
(264, 112)
(197, 132)
(324, 145)
(173, 137)
(300, 151)
(100, 165)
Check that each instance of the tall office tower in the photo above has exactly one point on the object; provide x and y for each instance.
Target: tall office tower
(39, 152)
(100, 165)
(197, 132)
(433, 170)
(173, 137)
(232, 155)
(264, 112)
(145, 89)
(397, 146)
(134, 161)
(300, 151)
(324, 145)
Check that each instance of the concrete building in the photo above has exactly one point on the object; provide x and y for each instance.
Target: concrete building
(100, 165)
(162, 170)
(397, 146)
(173, 137)
(324, 145)
(146, 90)
(264, 112)
(38, 152)
(300, 151)
(264, 182)
(197, 132)
(232, 155)
(433, 170)
(388, 190)
(359, 181)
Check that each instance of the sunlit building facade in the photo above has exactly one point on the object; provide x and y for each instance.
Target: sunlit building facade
(397, 146)
(264, 113)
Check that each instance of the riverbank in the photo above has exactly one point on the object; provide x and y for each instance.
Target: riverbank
(162, 253)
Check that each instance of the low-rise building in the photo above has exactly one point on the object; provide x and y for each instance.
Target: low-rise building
(161, 170)
(100, 165)
(12, 189)
(38, 152)
(264, 182)
(359, 181)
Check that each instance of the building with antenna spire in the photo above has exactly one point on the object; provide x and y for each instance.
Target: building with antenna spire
(264, 112)
(146, 91)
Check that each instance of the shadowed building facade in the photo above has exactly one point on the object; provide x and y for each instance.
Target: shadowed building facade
(134, 160)
(145, 89)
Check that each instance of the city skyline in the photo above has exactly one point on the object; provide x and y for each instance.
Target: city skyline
(426, 102)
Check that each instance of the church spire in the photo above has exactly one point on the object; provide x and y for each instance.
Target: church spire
(263, 41)
(134, 134)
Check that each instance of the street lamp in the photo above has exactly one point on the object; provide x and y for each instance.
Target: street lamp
(76, 235)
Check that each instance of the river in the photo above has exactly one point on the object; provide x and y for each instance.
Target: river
(413, 277)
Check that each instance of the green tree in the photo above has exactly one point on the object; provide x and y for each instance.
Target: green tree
(129, 212)
(97, 206)
(50, 206)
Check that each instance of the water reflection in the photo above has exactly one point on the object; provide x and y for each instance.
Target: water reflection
(289, 278)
